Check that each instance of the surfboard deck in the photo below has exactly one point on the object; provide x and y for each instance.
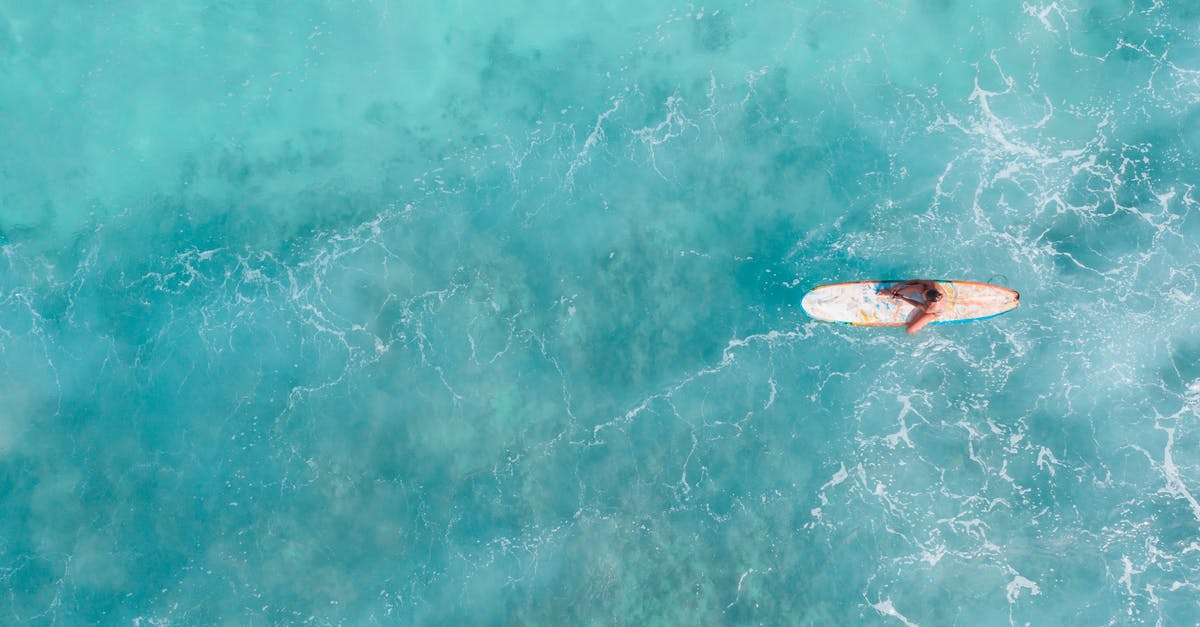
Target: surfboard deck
(858, 304)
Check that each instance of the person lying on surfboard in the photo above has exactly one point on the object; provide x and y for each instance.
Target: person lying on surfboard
(933, 301)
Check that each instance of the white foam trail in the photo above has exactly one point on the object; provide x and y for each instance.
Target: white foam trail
(674, 125)
(596, 137)
(886, 608)
(1018, 584)
(1175, 485)
(838, 477)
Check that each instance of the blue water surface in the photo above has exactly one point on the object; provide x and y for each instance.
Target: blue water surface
(382, 312)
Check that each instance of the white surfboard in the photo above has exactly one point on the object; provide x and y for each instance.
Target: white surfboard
(858, 303)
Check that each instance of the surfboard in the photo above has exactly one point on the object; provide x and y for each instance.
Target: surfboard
(857, 303)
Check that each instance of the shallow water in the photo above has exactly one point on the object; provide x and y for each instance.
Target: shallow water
(375, 312)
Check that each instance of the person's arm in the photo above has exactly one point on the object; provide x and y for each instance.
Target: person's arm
(919, 322)
(914, 303)
(913, 288)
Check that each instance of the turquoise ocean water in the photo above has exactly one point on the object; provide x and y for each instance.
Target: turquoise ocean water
(383, 312)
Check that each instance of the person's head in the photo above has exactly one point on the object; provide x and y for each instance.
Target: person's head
(933, 296)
